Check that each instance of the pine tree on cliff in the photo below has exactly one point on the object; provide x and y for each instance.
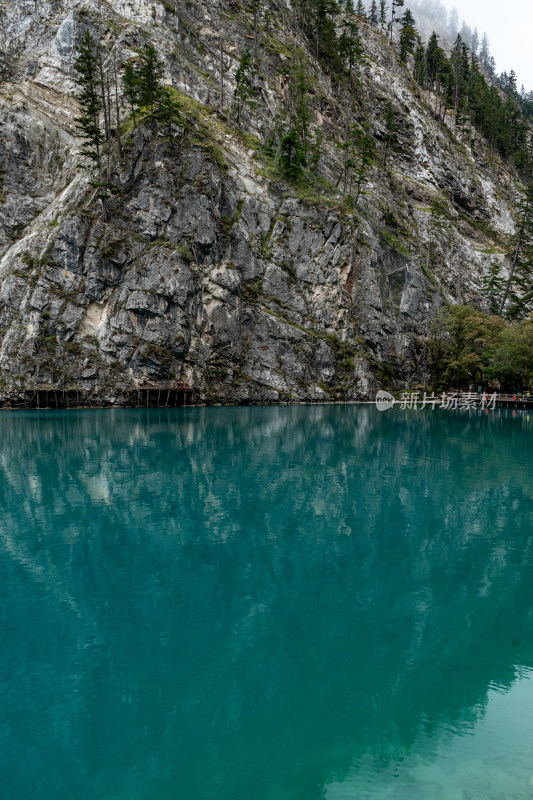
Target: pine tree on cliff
(360, 9)
(373, 14)
(322, 20)
(394, 5)
(461, 68)
(433, 56)
(150, 80)
(484, 55)
(453, 23)
(296, 140)
(292, 155)
(359, 151)
(408, 35)
(420, 64)
(474, 42)
(131, 88)
(89, 101)
(522, 256)
(244, 90)
(145, 91)
(448, 88)
(255, 7)
(391, 132)
(300, 113)
(383, 9)
(492, 286)
(350, 44)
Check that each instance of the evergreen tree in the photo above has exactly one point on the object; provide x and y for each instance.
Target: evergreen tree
(244, 90)
(118, 125)
(394, 5)
(347, 145)
(131, 88)
(408, 35)
(105, 95)
(391, 132)
(373, 15)
(360, 9)
(316, 150)
(89, 101)
(460, 65)
(466, 34)
(255, 6)
(149, 80)
(299, 105)
(355, 150)
(383, 8)
(420, 64)
(453, 23)
(462, 84)
(521, 258)
(433, 59)
(321, 23)
(511, 87)
(350, 44)
(447, 88)
(364, 156)
(292, 155)
(474, 43)
(484, 54)
(143, 87)
(493, 286)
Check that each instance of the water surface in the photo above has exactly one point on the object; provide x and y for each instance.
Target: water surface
(266, 604)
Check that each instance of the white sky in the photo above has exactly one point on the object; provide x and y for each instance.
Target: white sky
(509, 26)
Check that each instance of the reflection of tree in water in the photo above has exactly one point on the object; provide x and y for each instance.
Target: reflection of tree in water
(238, 602)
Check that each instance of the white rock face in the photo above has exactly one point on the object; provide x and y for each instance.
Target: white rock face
(64, 41)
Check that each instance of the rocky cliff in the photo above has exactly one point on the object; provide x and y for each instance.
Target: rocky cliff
(214, 279)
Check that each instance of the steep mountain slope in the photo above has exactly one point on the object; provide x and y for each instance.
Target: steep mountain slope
(213, 278)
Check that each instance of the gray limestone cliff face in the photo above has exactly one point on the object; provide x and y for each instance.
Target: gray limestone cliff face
(210, 273)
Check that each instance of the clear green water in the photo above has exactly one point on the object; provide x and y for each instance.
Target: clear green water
(266, 604)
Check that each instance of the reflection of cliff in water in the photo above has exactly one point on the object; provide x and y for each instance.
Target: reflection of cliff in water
(238, 602)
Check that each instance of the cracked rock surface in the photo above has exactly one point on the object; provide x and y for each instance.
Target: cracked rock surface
(211, 272)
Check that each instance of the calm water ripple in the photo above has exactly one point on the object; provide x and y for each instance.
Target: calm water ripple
(266, 603)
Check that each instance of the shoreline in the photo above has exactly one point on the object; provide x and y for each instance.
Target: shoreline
(503, 403)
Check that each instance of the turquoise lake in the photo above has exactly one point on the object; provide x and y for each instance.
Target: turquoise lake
(284, 603)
